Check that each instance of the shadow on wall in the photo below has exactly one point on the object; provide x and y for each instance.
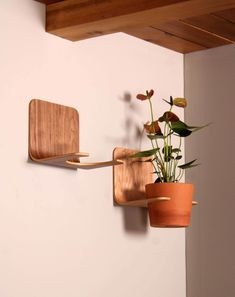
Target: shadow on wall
(132, 129)
(135, 219)
(133, 132)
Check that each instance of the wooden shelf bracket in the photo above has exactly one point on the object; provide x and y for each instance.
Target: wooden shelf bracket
(54, 136)
(130, 179)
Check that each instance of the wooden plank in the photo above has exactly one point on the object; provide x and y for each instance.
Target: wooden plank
(143, 202)
(214, 25)
(60, 160)
(129, 179)
(192, 34)
(76, 19)
(228, 14)
(53, 130)
(54, 136)
(94, 165)
(165, 39)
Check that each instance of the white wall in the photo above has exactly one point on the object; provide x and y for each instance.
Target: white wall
(60, 234)
(210, 86)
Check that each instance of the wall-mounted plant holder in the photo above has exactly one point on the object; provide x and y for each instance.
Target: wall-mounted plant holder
(54, 136)
(130, 179)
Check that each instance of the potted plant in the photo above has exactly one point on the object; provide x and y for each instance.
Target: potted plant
(175, 209)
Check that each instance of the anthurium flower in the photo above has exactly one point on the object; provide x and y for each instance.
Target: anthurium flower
(143, 97)
(169, 116)
(150, 93)
(165, 157)
(180, 102)
(152, 128)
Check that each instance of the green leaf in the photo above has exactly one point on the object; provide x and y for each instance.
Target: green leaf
(155, 136)
(196, 128)
(145, 161)
(178, 157)
(145, 153)
(184, 130)
(195, 165)
(176, 150)
(180, 128)
(188, 165)
(158, 180)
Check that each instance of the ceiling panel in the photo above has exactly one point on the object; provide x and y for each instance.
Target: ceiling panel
(228, 15)
(192, 34)
(214, 25)
(181, 25)
(164, 39)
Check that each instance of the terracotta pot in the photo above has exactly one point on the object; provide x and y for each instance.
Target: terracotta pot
(174, 212)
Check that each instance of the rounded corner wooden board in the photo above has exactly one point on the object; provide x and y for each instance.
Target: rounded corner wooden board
(53, 129)
(130, 178)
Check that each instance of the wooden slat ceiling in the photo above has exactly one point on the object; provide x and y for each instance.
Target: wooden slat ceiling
(181, 25)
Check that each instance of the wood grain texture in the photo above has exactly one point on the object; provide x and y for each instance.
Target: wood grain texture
(130, 178)
(54, 136)
(192, 34)
(181, 25)
(76, 19)
(75, 12)
(61, 160)
(214, 25)
(53, 130)
(94, 165)
(228, 15)
(165, 39)
(143, 202)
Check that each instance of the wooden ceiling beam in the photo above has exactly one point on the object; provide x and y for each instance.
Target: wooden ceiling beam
(228, 15)
(81, 19)
(194, 34)
(214, 25)
(165, 39)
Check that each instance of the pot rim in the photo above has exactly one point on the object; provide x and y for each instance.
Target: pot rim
(170, 183)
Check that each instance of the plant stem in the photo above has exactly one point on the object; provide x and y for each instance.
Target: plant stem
(176, 161)
(161, 162)
(165, 149)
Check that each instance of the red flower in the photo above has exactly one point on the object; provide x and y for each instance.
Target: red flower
(169, 116)
(143, 97)
(153, 128)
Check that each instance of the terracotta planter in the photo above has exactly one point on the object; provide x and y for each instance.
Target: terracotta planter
(174, 212)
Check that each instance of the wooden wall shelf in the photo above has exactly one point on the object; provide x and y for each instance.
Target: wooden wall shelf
(130, 180)
(54, 136)
(181, 25)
